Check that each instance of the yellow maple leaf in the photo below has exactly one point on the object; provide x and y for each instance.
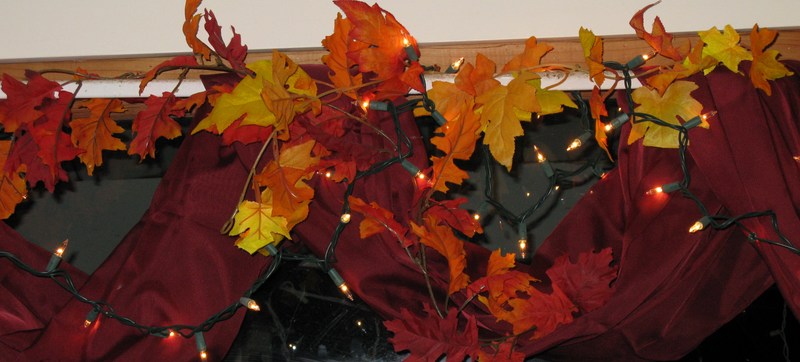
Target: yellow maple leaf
(256, 227)
(246, 98)
(286, 177)
(676, 102)
(501, 109)
(724, 47)
(765, 65)
(593, 53)
(551, 101)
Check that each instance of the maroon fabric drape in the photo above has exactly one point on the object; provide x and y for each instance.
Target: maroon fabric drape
(673, 289)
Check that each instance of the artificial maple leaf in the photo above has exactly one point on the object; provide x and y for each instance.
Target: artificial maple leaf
(246, 99)
(531, 56)
(502, 352)
(377, 220)
(477, 79)
(337, 60)
(285, 103)
(191, 25)
(597, 106)
(12, 185)
(285, 177)
(344, 149)
(459, 136)
(48, 133)
(541, 312)
(25, 155)
(256, 227)
(724, 47)
(501, 283)
(658, 39)
(765, 65)
(550, 101)
(593, 54)
(176, 62)
(154, 122)
(245, 134)
(694, 62)
(676, 102)
(441, 238)
(451, 213)
(587, 282)
(429, 337)
(95, 133)
(501, 109)
(379, 41)
(193, 101)
(23, 102)
(234, 52)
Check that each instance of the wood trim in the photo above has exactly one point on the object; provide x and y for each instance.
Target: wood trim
(567, 51)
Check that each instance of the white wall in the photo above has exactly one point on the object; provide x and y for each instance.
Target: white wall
(33, 29)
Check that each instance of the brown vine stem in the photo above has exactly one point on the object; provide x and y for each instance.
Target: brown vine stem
(423, 266)
(226, 228)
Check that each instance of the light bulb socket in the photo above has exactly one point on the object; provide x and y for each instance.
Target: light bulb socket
(271, 249)
(637, 61)
(411, 53)
(200, 341)
(410, 167)
(378, 106)
(335, 277)
(670, 187)
(549, 172)
(619, 120)
(692, 123)
(52, 264)
(455, 66)
(438, 117)
(91, 317)
(522, 231)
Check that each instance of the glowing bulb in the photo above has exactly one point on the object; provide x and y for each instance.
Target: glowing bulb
(539, 156)
(345, 218)
(61, 248)
(455, 66)
(412, 169)
(522, 232)
(364, 104)
(645, 57)
(406, 42)
(476, 216)
(608, 127)
(55, 259)
(292, 346)
(480, 212)
(359, 323)
(203, 355)
(556, 188)
(420, 175)
(700, 224)
(696, 121)
(666, 188)
(91, 317)
(328, 174)
(249, 303)
(527, 194)
(796, 158)
(410, 52)
(618, 121)
(574, 145)
(339, 282)
(171, 333)
(523, 248)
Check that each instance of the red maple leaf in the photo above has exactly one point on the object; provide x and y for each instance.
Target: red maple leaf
(378, 219)
(541, 312)
(587, 281)
(54, 145)
(234, 52)
(503, 352)
(153, 123)
(245, 134)
(450, 212)
(176, 62)
(428, 338)
(24, 99)
(24, 154)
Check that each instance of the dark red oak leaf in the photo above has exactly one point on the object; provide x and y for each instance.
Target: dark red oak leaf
(429, 337)
(587, 281)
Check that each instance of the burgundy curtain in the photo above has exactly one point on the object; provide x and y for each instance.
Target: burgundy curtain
(673, 289)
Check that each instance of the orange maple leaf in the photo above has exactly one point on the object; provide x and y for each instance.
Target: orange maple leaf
(286, 177)
(531, 56)
(658, 39)
(593, 54)
(379, 42)
(598, 107)
(458, 139)
(12, 185)
(95, 133)
(765, 65)
(191, 25)
(48, 133)
(501, 283)
(477, 79)
(154, 122)
(501, 109)
(378, 219)
(441, 238)
(337, 60)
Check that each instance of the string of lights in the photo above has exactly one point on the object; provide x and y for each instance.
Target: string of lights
(403, 150)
